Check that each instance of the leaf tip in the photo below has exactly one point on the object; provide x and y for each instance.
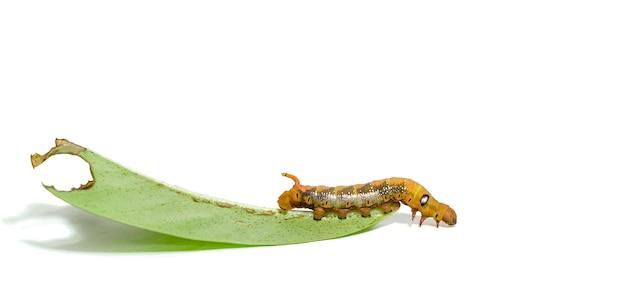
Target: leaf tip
(62, 146)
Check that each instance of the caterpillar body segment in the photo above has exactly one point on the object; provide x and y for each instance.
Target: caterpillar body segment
(364, 197)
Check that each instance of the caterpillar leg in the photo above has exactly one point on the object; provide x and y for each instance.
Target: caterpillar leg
(318, 213)
(365, 212)
(386, 208)
(424, 218)
(342, 213)
(413, 212)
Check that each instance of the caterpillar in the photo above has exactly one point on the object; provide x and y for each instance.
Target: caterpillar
(364, 197)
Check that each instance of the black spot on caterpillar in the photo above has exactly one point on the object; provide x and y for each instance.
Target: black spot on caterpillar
(364, 197)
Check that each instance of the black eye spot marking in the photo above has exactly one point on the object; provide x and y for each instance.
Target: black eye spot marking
(424, 200)
(297, 195)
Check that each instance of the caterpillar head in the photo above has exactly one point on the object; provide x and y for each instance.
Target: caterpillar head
(292, 198)
(430, 207)
(444, 213)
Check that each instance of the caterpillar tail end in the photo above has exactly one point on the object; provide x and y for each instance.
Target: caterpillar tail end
(292, 177)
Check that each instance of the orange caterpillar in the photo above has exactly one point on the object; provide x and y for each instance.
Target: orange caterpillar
(364, 197)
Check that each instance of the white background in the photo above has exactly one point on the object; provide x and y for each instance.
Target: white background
(508, 111)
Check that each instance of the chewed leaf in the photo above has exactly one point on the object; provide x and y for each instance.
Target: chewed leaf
(120, 194)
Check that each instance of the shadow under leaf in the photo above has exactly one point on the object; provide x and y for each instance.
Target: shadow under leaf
(91, 233)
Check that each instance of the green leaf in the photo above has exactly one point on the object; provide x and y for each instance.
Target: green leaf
(123, 195)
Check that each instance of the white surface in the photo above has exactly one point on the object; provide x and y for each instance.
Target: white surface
(508, 112)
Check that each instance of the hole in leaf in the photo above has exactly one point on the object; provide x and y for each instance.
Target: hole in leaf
(64, 172)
